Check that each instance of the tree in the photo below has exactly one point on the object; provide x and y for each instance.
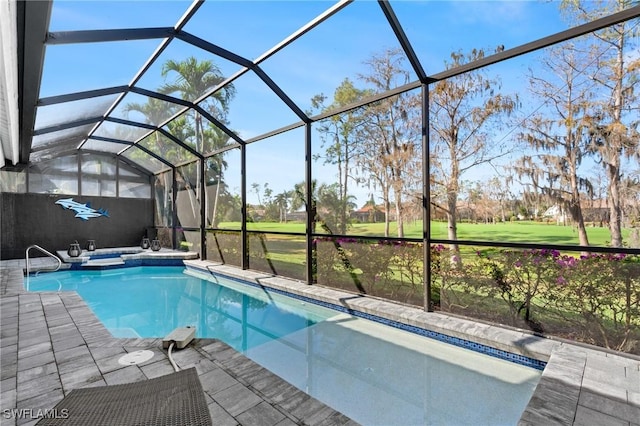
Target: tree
(155, 112)
(283, 201)
(325, 204)
(476, 202)
(339, 139)
(463, 111)
(532, 198)
(499, 193)
(330, 214)
(215, 166)
(391, 137)
(257, 190)
(613, 125)
(231, 207)
(631, 195)
(557, 133)
(194, 79)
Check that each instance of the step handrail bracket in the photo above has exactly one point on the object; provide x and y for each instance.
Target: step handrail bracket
(48, 253)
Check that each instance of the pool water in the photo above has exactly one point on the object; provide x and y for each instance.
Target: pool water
(375, 374)
(152, 301)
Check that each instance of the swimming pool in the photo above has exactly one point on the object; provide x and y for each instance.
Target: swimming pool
(375, 374)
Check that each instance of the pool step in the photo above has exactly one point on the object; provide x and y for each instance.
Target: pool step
(110, 261)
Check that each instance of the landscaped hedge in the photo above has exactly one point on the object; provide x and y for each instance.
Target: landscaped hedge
(592, 298)
(391, 270)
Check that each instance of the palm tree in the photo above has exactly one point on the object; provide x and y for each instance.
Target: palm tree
(283, 200)
(155, 112)
(325, 197)
(193, 80)
(216, 164)
(335, 209)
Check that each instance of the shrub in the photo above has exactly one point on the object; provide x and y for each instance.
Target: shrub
(592, 298)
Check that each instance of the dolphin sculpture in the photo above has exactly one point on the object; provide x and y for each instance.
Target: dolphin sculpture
(83, 211)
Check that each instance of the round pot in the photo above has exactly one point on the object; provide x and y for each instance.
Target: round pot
(74, 250)
(145, 243)
(155, 245)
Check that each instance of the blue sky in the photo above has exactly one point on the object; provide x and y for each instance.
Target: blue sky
(317, 63)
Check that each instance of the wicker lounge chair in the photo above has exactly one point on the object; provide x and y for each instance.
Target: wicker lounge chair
(173, 399)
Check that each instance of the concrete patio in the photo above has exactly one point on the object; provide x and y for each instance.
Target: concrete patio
(52, 343)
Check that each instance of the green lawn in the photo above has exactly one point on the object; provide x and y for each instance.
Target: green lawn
(524, 232)
(515, 232)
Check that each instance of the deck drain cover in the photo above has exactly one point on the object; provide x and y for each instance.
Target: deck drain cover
(136, 357)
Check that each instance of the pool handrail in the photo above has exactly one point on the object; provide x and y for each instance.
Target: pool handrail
(26, 256)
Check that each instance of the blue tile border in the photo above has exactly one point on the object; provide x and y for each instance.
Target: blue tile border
(456, 341)
(94, 255)
(128, 263)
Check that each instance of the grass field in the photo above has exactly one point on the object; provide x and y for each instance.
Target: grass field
(513, 232)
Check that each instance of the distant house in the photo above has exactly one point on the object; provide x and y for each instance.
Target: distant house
(593, 211)
(596, 211)
(556, 213)
(297, 216)
(369, 213)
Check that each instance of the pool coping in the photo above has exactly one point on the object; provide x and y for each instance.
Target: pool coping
(580, 384)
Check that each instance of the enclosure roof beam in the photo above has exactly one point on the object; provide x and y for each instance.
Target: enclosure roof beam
(78, 96)
(212, 48)
(69, 125)
(303, 30)
(216, 50)
(123, 142)
(281, 94)
(186, 104)
(556, 38)
(153, 128)
(190, 12)
(33, 22)
(99, 36)
(404, 41)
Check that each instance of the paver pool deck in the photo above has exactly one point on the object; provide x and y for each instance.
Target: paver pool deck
(52, 343)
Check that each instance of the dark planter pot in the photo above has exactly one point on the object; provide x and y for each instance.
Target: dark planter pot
(74, 250)
(145, 243)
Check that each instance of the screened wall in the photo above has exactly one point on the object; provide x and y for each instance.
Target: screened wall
(479, 158)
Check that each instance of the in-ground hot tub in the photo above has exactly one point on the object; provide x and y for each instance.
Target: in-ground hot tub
(118, 257)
